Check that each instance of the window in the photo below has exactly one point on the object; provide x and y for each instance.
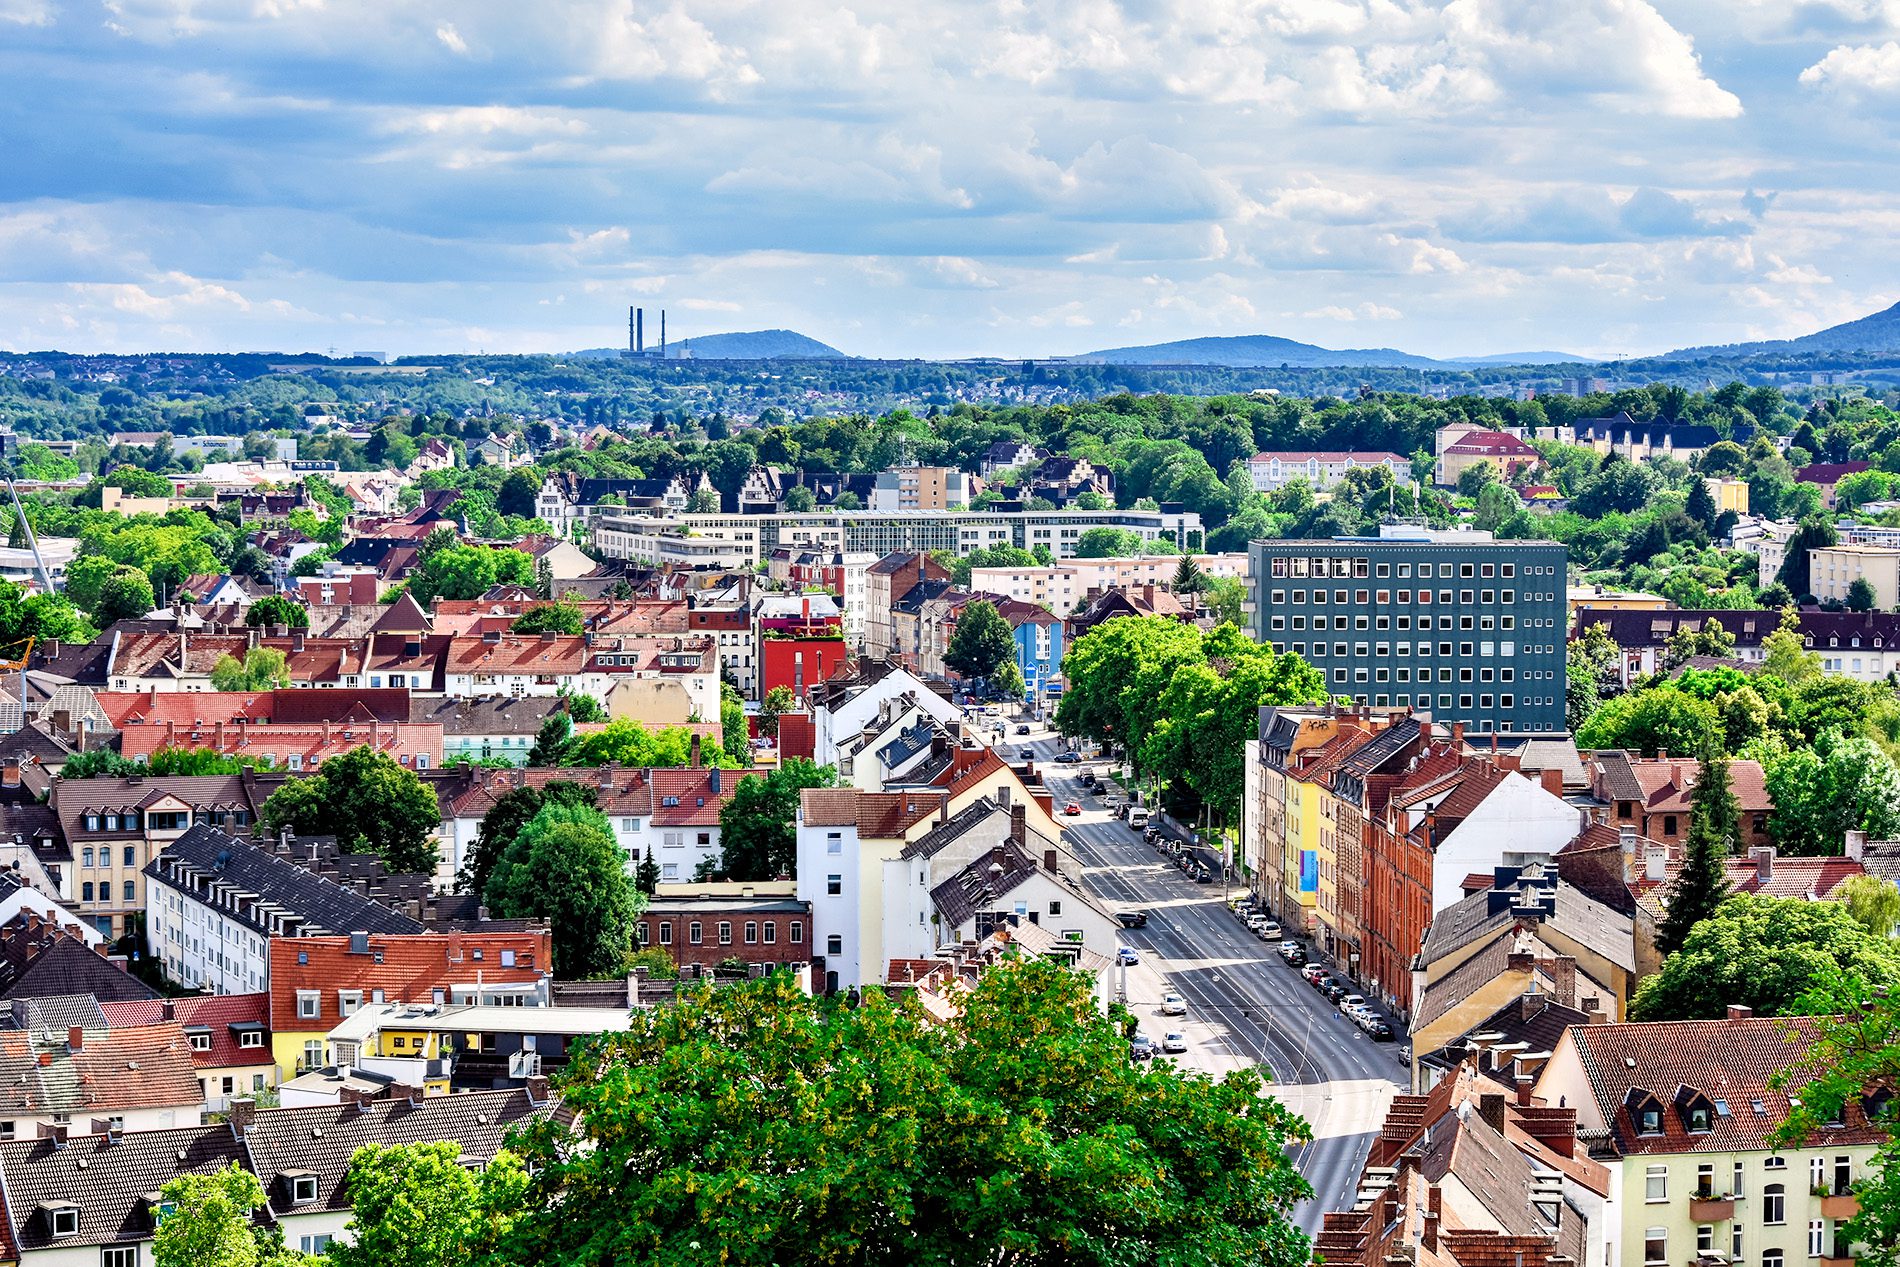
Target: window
(1735, 1240)
(316, 1244)
(348, 1001)
(1705, 1238)
(507, 958)
(834, 885)
(798, 934)
(131, 891)
(312, 1054)
(85, 891)
(694, 933)
(751, 932)
(1774, 1204)
(303, 1189)
(1771, 1258)
(251, 1038)
(770, 928)
(666, 932)
(834, 842)
(1656, 1245)
(1735, 1184)
(200, 1041)
(1817, 1235)
(309, 1005)
(834, 945)
(725, 933)
(118, 1256)
(112, 822)
(1705, 1181)
(1656, 1184)
(86, 855)
(1817, 1174)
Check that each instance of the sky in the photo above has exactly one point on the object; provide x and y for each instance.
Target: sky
(937, 178)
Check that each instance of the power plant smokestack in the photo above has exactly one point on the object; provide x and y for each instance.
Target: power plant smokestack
(662, 334)
(639, 330)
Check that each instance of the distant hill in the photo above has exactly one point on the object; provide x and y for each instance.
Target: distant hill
(1522, 358)
(1877, 333)
(751, 345)
(1265, 350)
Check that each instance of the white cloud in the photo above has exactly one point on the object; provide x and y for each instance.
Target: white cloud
(1364, 312)
(452, 39)
(28, 12)
(1864, 70)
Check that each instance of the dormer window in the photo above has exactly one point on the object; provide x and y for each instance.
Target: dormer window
(200, 1039)
(302, 1185)
(1696, 1110)
(62, 1218)
(1645, 1110)
(251, 1038)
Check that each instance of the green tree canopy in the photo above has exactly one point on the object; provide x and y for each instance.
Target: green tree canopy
(629, 743)
(1842, 784)
(126, 594)
(753, 1125)
(261, 669)
(504, 821)
(757, 825)
(209, 1223)
(276, 609)
(1660, 720)
(564, 866)
(983, 641)
(557, 617)
(777, 701)
(369, 803)
(1766, 953)
(417, 1205)
(1701, 886)
(1108, 543)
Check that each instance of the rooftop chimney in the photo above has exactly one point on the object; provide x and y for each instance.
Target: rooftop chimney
(1523, 1083)
(240, 1113)
(1740, 1011)
(1491, 1109)
(1655, 862)
(75, 1038)
(695, 751)
(1764, 862)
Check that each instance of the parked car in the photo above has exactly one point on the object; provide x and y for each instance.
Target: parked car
(1174, 1043)
(1295, 957)
(1333, 991)
(1313, 972)
(1069, 758)
(1352, 1002)
(1173, 1005)
(1379, 1031)
(1141, 1047)
(1203, 876)
(1127, 955)
(1133, 919)
(1023, 728)
(1271, 931)
(1071, 808)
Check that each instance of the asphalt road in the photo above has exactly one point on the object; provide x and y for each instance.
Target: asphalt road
(1245, 1005)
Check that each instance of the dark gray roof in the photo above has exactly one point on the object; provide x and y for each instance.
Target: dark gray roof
(982, 882)
(321, 1140)
(1619, 777)
(1882, 858)
(56, 1013)
(495, 716)
(917, 595)
(204, 855)
(909, 742)
(71, 967)
(960, 824)
(107, 1179)
(1536, 1020)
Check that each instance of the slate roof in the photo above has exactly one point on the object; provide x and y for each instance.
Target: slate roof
(1446, 993)
(1537, 1021)
(57, 1013)
(960, 824)
(1828, 473)
(107, 1179)
(991, 876)
(1726, 1060)
(494, 715)
(204, 857)
(323, 1139)
(69, 967)
(1615, 775)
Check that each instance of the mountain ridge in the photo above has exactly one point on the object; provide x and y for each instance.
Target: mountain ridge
(740, 345)
(1250, 350)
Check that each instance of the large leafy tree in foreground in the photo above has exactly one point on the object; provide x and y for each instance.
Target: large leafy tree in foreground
(750, 1124)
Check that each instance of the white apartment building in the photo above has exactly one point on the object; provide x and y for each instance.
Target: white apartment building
(1321, 470)
(1061, 587)
(1832, 571)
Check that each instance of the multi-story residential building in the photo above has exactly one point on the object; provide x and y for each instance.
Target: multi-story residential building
(115, 827)
(1832, 571)
(1862, 645)
(1321, 470)
(886, 581)
(516, 665)
(1681, 1111)
(229, 1037)
(729, 625)
(74, 1080)
(214, 904)
(1284, 733)
(1063, 587)
(709, 928)
(502, 728)
(843, 576)
(870, 874)
(847, 704)
(1825, 475)
(921, 488)
(746, 539)
(316, 982)
(1455, 624)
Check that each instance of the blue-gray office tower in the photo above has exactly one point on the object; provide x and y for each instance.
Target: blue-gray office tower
(1454, 624)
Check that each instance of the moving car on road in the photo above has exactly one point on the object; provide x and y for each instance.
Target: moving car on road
(1141, 1047)
(1133, 919)
(1174, 1044)
(1069, 758)
(1071, 808)
(1173, 1005)
(1025, 754)
(1023, 729)
(1127, 955)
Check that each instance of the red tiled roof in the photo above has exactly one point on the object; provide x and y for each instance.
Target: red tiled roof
(797, 736)
(1486, 441)
(412, 967)
(218, 1013)
(518, 654)
(1829, 473)
(876, 815)
(1733, 1061)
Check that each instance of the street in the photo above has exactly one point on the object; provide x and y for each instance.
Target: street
(1246, 1006)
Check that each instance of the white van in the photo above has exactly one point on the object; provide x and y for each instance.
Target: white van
(1137, 817)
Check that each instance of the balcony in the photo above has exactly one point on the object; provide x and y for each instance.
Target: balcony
(1711, 1208)
(1838, 1256)
(1841, 1205)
